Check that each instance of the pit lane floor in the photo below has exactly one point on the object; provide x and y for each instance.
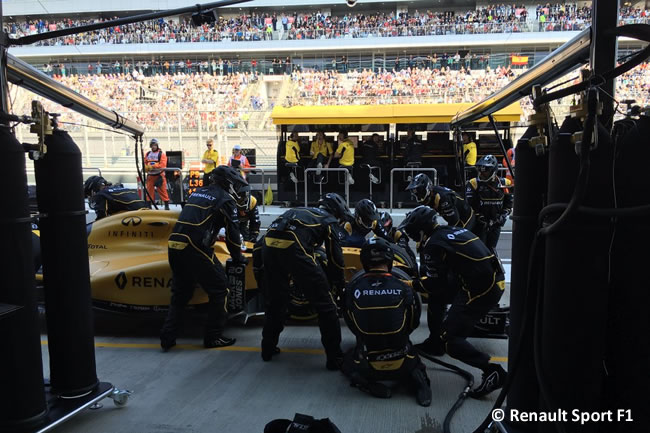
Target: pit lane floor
(191, 389)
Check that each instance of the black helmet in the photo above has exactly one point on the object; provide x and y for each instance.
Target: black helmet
(334, 204)
(421, 188)
(244, 199)
(421, 220)
(376, 251)
(365, 213)
(487, 167)
(93, 185)
(229, 179)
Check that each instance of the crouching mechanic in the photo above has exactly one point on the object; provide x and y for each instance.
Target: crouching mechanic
(382, 311)
(249, 215)
(192, 259)
(456, 268)
(366, 219)
(288, 253)
(107, 199)
(447, 202)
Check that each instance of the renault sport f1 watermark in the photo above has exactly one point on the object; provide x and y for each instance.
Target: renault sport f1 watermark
(562, 415)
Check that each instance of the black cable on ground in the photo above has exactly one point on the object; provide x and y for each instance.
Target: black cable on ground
(469, 377)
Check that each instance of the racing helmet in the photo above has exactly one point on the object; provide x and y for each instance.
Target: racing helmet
(421, 187)
(420, 222)
(244, 199)
(365, 213)
(487, 168)
(334, 204)
(376, 251)
(93, 184)
(229, 179)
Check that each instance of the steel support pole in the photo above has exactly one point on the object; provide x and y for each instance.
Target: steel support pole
(604, 52)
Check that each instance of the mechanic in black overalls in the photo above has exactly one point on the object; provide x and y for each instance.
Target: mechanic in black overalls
(366, 219)
(456, 268)
(288, 253)
(192, 259)
(382, 311)
(249, 215)
(107, 199)
(448, 203)
(489, 197)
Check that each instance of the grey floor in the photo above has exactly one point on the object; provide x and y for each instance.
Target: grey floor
(191, 389)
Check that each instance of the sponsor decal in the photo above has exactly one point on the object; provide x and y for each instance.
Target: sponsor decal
(381, 292)
(236, 283)
(120, 280)
(97, 247)
(131, 221)
(130, 234)
(357, 294)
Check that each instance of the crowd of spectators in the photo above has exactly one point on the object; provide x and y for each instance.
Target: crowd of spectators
(315, 25)
(162, 101)
(214, 102)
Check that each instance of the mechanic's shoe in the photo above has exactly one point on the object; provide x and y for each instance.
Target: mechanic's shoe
(167, 343)
(334, 363)
(431, 347)
(166, 205)
(494, 376)
(377, 389)
(422, 385)
(267, 353)
(293, 177)
(318, 167)
(219, 341)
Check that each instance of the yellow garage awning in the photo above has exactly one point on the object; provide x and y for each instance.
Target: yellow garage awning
(382, 114)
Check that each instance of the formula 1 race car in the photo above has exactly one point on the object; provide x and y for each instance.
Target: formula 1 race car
(130, 273)
(129, 270)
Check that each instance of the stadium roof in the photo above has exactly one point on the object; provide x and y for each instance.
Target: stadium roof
(382, 114)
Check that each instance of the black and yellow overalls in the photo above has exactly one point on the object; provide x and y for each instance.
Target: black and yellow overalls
(192, 259)
(457, 268)
(382, 311)
(114, 199)
(288, 253)
(249, 220)
(492, 203)
(452, 207)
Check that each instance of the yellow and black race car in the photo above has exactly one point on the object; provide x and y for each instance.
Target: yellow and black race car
(129, 270)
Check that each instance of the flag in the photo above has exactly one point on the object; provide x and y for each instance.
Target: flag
(519, 60)
(268, 196)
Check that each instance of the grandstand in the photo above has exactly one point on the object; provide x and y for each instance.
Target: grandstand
(187, 83)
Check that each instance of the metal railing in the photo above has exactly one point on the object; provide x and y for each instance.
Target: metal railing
(347, 183)
(413, 170)
(254, 170)
(93, 169)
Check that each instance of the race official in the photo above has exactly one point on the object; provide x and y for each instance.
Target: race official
(192, 259)
(447, 202)
(107, 199)
(288, 253)
(456, 268)
(490, 198)
(382, 311)
(155, 163)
